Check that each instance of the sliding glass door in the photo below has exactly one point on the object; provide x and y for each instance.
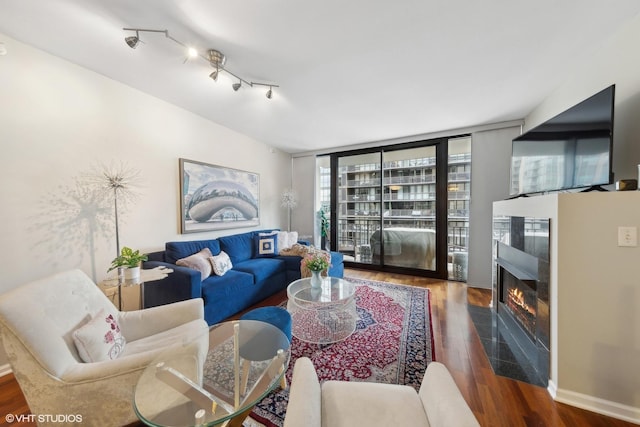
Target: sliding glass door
(408, 234)
(358, 205)
(387, 204)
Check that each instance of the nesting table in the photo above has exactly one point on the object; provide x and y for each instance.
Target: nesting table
(183, 387)
(325, 314)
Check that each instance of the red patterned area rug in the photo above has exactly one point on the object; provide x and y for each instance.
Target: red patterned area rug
(393, 343)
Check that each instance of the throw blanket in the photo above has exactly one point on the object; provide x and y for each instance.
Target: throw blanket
(302, 250)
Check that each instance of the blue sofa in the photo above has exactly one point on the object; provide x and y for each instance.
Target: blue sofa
(251, 279)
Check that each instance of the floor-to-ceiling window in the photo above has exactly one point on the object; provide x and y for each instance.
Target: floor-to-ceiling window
(458, 197)
(402, 207)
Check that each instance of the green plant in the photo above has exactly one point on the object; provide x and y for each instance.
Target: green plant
(128, 258)
(324, 224)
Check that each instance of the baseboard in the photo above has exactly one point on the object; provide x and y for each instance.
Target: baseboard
(5, 370)
(600, 406)
(552, 388)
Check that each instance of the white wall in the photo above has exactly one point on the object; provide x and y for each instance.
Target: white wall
(616, 62)
(594, 296)
(490, 171)
(59, 121)
(304, 184)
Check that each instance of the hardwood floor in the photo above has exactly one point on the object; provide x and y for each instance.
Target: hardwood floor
(496, 401)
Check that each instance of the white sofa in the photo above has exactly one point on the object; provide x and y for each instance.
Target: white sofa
(439, 403)
(37, 321)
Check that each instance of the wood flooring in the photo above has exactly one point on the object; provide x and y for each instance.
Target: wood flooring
(496, 401)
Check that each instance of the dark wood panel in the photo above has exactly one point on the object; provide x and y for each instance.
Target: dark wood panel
(496, 401)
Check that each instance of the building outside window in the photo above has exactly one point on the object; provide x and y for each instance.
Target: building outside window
(393, 193)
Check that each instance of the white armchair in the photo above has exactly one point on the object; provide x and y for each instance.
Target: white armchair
(37, 324)
(350, 403)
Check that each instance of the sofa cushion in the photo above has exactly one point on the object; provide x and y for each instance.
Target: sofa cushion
(173, 336)
(239, 247)
(100, 338)
(291, 262)
(176, 250)
(226, 295)
(266, 245)
(261, 268)
(351, 403)
(198, 261)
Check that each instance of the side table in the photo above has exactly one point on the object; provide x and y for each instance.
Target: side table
(246, 359)
(128, 295)
(322, 315)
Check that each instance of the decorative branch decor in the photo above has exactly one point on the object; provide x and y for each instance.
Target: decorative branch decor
(119, 180)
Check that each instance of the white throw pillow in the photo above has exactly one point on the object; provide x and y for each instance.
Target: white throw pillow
(221, 263)
(286, 239)
(99, 339)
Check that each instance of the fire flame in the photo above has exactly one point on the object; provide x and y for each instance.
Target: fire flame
(517, 297)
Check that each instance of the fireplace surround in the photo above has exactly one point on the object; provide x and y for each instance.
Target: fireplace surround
(521, 287)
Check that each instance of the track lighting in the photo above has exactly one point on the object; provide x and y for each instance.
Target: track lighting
(132, 41)
(215, 58)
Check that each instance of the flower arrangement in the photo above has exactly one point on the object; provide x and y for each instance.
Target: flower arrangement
(316, 261)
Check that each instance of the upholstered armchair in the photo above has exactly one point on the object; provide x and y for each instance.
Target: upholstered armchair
(47, 327)
(438, 403)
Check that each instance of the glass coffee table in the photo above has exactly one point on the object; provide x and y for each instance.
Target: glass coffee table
(322, 315)
(192, 384)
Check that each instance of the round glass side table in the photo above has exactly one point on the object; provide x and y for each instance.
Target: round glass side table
(325, 314)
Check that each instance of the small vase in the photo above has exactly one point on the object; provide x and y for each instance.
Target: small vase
(316, 279)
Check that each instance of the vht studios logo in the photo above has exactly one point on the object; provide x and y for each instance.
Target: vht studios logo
(43, 418)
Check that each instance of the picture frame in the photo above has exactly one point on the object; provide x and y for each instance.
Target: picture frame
(214, 197)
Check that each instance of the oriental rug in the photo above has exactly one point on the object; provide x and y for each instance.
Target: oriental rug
(392, 343)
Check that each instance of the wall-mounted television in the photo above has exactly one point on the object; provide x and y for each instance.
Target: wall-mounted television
(569, 151)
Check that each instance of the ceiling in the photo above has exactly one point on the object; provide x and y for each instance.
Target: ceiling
(349, 72)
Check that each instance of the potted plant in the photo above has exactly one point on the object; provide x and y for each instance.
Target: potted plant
(129, 261)
(324, 230)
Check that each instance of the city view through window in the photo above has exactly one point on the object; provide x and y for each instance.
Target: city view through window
(386, 206)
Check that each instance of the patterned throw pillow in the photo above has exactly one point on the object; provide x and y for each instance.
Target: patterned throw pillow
(198, 261)
(266, 245)
(99, 339)
(221, 263)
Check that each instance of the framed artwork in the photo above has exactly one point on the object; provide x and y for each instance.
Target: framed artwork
(215, 197)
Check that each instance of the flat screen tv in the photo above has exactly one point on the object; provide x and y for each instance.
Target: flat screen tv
(569, 151)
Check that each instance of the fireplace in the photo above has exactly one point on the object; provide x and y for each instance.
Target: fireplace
(521, 297)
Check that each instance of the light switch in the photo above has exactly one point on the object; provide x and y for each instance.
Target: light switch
(628, 236)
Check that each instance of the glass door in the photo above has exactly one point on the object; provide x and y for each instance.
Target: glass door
(401, 208)
(358, 205)
(408, 234)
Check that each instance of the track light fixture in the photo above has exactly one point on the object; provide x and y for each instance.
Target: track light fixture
(216, 58)
(132, 41)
